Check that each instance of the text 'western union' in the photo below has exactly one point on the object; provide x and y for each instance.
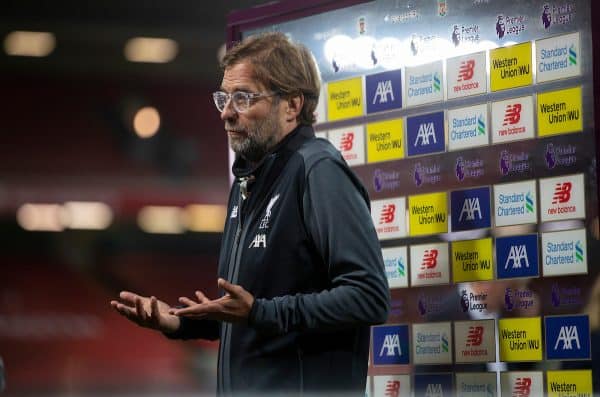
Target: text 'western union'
(510, 67)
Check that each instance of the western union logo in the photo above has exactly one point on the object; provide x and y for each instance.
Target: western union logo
(428, 213)
(569, 383)
(520, 339)
(344, 99)
(560, 112)
(472, 260)
(385, 140)
(511, 67)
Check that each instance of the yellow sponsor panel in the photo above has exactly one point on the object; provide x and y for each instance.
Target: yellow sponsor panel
(344, 99)
(385, 140)
(428, 213)
(520, 339)
(472, 260)
(511, 67)
(569, 383)
(559, 112)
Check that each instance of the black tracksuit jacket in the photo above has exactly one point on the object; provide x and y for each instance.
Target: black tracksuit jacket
(303, 244)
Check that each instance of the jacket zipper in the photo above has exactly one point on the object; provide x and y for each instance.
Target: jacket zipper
(233, 262)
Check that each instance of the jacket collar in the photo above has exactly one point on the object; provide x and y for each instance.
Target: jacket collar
(243, 169)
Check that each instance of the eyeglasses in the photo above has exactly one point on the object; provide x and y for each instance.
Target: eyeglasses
(241, 100)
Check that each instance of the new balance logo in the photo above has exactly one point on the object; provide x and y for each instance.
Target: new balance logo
(426, 131)
(567, 335)
(384, 88)
(429, 259)
(522, 387)
(391, 345)
(346, 142)
(470, 209)
(475, 336)
(512, 115)
(517, 254)
(562, 193)
(466, 70)
(387, 214)
(392, 388)
(260, 240)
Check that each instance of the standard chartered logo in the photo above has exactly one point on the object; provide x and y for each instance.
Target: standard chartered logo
(480, 125)
(437, 82)
(529, 204)
(572, 55)
(578, 251)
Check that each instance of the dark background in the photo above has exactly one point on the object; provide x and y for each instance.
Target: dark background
(65, 134)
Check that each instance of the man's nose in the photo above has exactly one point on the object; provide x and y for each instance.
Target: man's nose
(228, 111)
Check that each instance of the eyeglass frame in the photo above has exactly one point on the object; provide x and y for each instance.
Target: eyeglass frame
(249, 97)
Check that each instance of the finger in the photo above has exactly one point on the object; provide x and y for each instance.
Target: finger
(201, 297)
(141, 312)
(198, 310)
(154, 308)
(129, 297)
(231, 289)
(187, 301)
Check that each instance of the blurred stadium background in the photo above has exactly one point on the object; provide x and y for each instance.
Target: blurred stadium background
(113, 175)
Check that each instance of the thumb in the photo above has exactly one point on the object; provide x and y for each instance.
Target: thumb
(231, 289)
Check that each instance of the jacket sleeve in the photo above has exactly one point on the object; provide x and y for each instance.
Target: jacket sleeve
(196, 329)
(338, 220)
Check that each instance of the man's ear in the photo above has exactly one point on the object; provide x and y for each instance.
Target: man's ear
(294, 107)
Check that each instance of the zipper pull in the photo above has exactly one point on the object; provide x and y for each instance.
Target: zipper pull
(244, 182)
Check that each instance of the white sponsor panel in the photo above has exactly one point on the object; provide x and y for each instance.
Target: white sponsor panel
(476, 384)
(562, 198)
(432, 343)
(395, 260)
(466, 75)
(512, 120)
(321, 109)
(423, 84)
(430, 264)
(391, 385)
(558, 57)
(389, 217)
(475, 341)
(515, 203)
(564, 253)
(350, 141)
(521, 383)
(468, 127)
(321, 134)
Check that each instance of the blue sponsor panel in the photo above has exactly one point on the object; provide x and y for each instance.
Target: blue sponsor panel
(567, 337)
(433, 385)
(425, 134)
(517, 256)
(384, 91)
(470, 209)
(390, 345)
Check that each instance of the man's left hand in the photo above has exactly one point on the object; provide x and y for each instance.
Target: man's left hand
(234, 306)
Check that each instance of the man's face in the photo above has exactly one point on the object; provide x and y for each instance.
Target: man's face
(254, 132)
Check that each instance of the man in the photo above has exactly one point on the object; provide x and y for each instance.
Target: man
(300, 267)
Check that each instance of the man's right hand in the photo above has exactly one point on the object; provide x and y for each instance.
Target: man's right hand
(146, 312)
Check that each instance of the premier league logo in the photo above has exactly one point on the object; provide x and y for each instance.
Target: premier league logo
(464, 301)
(504, 163)
(500, 27)
(508, 300)
(550, 156)
(546, 16)
(460, 169)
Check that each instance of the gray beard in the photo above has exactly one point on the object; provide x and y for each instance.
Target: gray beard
(261, 138)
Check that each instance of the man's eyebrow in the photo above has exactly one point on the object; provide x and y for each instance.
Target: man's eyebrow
(241, 89)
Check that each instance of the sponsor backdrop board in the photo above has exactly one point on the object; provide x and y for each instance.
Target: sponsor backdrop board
(471, 124)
